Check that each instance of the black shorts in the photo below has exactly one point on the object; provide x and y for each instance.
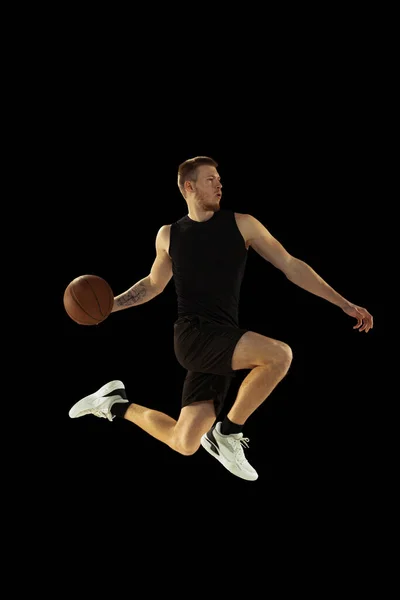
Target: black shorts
(205, 350)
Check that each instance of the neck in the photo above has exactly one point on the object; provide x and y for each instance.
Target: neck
(197, 214)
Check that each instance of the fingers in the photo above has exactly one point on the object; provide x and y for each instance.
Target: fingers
(365, 321)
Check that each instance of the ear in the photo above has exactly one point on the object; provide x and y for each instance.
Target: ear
(188, 186)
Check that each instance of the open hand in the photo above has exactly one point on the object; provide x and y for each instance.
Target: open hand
(365, 320)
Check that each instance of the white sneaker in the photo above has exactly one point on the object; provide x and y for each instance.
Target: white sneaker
(228, 449)
(99, 403)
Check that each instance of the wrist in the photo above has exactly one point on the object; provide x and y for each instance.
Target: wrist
(343, 303)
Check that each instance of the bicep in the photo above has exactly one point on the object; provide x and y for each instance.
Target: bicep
(267, 246)
(161, 270)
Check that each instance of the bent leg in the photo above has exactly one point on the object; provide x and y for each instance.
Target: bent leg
(183, 435)
(269, 361)
(203, 395)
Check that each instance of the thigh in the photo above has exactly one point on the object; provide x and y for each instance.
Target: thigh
(200, 387)
(254, 349)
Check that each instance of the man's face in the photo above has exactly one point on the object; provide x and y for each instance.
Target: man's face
(207, 188)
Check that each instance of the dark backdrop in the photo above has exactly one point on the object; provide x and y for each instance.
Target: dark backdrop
(314, 431)
(302, 125)
(308, 161)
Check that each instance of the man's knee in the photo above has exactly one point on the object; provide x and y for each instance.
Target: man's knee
(280, 358)
(195, 420)
(187, 446)
(285, 355)
(255, 350)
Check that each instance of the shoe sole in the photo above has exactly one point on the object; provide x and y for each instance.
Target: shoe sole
(103, 391)
(231, 467)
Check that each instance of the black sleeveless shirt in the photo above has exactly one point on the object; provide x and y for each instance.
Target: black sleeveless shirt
(208, 263)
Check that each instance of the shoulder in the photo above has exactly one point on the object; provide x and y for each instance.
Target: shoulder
(245, 223)
(163, 237)
(241, 217)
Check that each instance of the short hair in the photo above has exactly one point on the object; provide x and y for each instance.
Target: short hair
(188, 170)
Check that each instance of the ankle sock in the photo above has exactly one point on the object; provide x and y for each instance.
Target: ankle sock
(227, 427)
(119, 409)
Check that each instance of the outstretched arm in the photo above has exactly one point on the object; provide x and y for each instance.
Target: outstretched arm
(151, 286)
(300, 272)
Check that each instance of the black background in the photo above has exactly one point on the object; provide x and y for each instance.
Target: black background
(297, 106)
(302, 144)
(314, 431)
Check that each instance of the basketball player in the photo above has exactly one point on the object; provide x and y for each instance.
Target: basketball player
(206, 251)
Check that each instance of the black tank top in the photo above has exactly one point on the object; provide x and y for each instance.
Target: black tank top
(208, 263)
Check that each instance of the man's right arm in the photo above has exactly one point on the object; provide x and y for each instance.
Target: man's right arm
(151, 286)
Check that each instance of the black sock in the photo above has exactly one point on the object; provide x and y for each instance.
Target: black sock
(119, 409)
(227, 427)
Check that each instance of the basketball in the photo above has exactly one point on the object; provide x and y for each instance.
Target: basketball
(88, 299)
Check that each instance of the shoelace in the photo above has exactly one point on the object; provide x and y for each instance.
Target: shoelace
(237, 445)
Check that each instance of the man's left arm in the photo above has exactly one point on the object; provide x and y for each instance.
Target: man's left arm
(299, 272)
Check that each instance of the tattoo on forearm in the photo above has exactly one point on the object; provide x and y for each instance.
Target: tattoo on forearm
(133, 296)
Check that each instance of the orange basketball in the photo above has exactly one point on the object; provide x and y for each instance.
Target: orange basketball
(88, 299)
